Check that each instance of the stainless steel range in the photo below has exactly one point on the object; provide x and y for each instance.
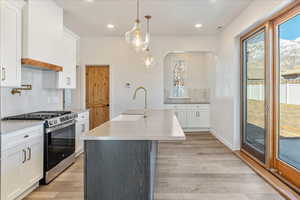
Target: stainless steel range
(59, 140)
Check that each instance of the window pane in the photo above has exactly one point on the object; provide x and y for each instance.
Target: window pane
(289, 91)
(254, 63)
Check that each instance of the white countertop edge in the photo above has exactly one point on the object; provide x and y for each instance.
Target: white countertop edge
(134, 138)
(12, 126)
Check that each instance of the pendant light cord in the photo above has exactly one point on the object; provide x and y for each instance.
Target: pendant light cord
(148, 30)
(138, 10)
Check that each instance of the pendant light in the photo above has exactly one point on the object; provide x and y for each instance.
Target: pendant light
(147, 38)
(134, 36)
(148, 60)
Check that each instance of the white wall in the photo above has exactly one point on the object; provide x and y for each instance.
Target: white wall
(225, 102)
(126, 66)
(36, 99)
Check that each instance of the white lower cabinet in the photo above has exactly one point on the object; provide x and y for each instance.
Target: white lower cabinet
(12, 169)
(22, 162)
(192, 117)
(82, 125)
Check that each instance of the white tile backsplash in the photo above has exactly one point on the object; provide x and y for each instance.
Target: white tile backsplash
(39, 98)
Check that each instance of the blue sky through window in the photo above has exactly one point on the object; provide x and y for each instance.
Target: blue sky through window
(290, 30)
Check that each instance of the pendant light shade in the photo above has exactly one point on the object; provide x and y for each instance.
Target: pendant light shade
(134, 36)
(147, 38)
(148, 60)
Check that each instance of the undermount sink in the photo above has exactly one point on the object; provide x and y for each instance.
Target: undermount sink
(128, 117)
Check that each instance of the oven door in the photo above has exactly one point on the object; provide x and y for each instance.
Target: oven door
(59, 144)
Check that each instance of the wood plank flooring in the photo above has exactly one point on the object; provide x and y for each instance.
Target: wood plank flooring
(200, 168)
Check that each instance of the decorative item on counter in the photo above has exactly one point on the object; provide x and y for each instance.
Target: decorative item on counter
(178, 79)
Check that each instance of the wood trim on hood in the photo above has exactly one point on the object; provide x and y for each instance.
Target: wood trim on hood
(41, 65)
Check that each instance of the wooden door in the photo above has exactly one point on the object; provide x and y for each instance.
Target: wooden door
(97, 94)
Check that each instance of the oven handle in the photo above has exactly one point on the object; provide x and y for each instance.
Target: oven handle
(48, 130)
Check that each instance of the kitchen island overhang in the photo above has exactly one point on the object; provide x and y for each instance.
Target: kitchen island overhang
(120, 155)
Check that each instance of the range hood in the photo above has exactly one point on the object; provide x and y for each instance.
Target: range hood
(40, 65)
(42, 35)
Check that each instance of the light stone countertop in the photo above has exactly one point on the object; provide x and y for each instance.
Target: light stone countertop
(10, 126)
(202, 102)
(158, 125)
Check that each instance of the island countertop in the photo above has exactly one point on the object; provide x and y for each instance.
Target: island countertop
(158, 125)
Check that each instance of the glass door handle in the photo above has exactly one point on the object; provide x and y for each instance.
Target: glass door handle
(24, 155)
(29, 153)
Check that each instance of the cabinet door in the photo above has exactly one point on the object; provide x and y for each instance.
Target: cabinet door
(68, 76)
(194, 118)
(12, 181)
(83, 129)
(33, 167)
(204, 118)
(10, 45)
(80, 128)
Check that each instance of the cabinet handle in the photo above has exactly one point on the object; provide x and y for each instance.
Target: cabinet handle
(3, 74)
(68, 80)
(24, 155)
(197, 114)
(29, 152)
(82, 128)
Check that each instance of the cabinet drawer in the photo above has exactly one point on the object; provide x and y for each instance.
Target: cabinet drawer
(83, 116)
(13, 139)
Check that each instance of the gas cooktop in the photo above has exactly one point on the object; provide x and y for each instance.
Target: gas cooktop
(41, 115)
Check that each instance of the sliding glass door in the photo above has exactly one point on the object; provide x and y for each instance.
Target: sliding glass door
(287, 95)
(253, 93)
(270, 95)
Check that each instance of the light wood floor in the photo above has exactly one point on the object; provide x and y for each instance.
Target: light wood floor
(200, 168)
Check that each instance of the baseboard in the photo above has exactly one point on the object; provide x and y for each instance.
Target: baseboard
(28, 191)
(78, 153)
(221, 139)
(194, 130)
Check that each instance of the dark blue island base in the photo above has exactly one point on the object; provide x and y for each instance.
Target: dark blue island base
(119, 169)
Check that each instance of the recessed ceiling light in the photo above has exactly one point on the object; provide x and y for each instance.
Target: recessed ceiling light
(89, 1)
(213, 1)
(198, 25)
(110, 26)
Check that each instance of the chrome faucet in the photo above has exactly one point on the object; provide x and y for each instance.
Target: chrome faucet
(146, 94)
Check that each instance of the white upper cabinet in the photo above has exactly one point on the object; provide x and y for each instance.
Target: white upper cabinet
(67, 78)
(43, 31)
(10, 43)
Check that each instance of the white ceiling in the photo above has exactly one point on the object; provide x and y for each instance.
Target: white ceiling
(170, 17)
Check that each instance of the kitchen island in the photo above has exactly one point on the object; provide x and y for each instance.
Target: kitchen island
(120, 155)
